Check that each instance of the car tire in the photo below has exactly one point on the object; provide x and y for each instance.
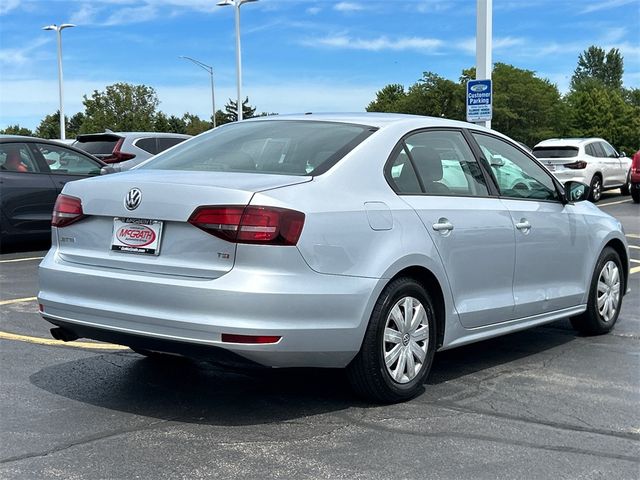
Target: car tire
(626, 188)
(635, 194)
(596, 188)
(607, 287)
(401, 333)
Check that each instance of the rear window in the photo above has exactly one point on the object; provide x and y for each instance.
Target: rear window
(555, 152)
(277, 146)
(97, 147)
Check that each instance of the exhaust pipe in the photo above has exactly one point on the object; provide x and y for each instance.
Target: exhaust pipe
(60, 333)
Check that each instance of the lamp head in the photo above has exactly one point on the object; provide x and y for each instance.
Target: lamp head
(51, 27)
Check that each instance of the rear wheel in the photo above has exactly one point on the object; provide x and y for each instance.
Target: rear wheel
(635, 193)
(399, 344)
(596, 188)
(605, 296)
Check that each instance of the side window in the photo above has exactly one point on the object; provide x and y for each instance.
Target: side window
(609, 151)
(16, 157)
(403, 176)
(168, 142)
(67, 162)
(517, 175)
(147, 144)
(445, 164)
(599, 151)
(590, 150)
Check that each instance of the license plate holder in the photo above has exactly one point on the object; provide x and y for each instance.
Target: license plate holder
(136, 235)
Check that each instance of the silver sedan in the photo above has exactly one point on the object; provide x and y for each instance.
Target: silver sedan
(365, 241)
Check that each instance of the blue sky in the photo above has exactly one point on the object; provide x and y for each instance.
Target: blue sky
(298, 55)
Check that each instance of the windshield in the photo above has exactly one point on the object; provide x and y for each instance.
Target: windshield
(285, 147)
(555, 152)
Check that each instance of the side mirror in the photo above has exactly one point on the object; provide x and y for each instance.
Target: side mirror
(496, 161)
(107, 170)
(623, 154)
(576, 191)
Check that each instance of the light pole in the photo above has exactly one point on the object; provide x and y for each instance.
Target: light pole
(236, 4)
(484, 33)
(209, 69)
(58, 29)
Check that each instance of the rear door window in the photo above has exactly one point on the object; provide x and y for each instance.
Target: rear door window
(149, 145)
(68, 162)
(609, 151)
(599, 151)
(167, 142)
(17, 157)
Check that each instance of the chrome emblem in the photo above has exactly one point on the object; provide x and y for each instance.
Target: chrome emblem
(133, 199)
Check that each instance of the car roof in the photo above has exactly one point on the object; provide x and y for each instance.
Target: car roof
(137, 134)
(58, 143)
(567, 142)
(377, 120)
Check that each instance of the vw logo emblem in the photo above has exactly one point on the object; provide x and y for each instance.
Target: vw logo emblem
(133, 199)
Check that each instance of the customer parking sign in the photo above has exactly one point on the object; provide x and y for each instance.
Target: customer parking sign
(479, 100)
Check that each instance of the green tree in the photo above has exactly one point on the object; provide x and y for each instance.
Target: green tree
(596, 65)
(391, 99)
(49, 126)
(74, 124)
(194, 125)
(121, 107)
(17, 130)
(231, 110)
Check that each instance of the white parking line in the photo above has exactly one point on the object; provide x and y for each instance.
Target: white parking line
(634, 247)
(21, 259)
(632, 235)
(633, 260)
(613, 203)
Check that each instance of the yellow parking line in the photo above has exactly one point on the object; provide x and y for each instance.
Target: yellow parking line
(17, 300)
(58, 343)
(21, 259)
(634, 270)
(612, 203)
(632, 235)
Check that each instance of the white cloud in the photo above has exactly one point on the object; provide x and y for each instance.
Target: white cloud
(432, 6)
(313, 10)
(19, 56)
(377, 44)
(348, 7)
(469, 44)
(7, 5)
(605, 5)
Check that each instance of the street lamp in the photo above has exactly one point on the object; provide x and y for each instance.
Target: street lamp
(237, 4)
(209, 69)
(58, 29)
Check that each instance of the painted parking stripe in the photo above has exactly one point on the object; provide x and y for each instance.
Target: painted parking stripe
(634, 247)
(633, 260)
(632, 235)
(17, 300)
(58, 343)
(27, 259)
(634, 270)
(613, 203)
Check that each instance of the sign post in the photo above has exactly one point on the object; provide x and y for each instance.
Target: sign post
(479, 101)
(484, 62)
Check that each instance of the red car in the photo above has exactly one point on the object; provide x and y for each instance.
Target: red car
(635, 177)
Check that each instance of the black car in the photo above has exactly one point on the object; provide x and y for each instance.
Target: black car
(32, 174)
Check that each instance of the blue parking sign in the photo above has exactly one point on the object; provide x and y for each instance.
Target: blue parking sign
(479, 100)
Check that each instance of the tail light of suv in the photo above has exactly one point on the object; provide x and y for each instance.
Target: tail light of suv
(66, 211)
(250, 224)
(579, 165)
(118, 155)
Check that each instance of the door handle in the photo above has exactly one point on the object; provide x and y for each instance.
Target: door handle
(523, 225)
(443, 226)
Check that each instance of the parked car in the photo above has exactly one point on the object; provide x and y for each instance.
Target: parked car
(33, 172)
(124, 150)
(635, 177)
(330, 241)
(588, 160)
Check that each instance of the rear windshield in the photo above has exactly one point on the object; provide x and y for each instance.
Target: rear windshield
(97, 147)
(555, 152)
(286, 147)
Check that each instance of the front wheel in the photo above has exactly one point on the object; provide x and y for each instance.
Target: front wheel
(596, 188)
(605, 296)
(398, 346)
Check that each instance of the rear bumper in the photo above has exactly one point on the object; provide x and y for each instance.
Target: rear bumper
(321, 318)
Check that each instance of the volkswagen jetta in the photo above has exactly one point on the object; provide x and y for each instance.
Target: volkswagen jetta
(365, 241)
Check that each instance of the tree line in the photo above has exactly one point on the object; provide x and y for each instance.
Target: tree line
(526, 107)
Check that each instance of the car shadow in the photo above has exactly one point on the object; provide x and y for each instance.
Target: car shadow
(182, 390)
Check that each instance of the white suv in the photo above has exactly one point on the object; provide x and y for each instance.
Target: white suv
(588, 160)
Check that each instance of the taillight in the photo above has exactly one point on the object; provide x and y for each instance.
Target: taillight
(66, 211)
(579, 165)
(261, 225)
(118, 156)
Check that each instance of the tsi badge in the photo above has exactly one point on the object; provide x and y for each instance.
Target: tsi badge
(133, 199)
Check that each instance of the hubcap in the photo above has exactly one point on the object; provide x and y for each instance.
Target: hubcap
(406, 339)
(596, 189)
(608, 291)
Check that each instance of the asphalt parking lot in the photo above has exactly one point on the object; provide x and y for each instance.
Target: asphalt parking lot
(544, 403)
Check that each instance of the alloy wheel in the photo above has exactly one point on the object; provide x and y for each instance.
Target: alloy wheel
(406, 339)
